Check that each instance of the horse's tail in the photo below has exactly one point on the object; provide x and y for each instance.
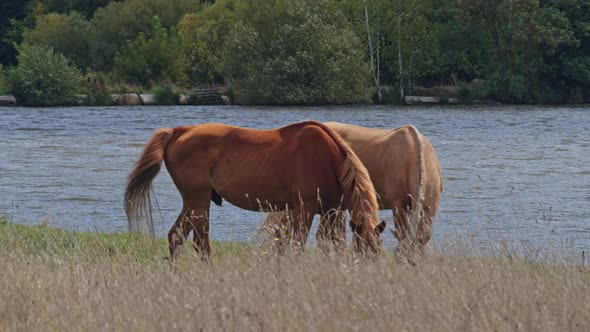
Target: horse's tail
(137, 195)
(417, 212)
(355, 180)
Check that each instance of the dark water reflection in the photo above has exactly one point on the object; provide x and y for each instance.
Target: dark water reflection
(516, 173)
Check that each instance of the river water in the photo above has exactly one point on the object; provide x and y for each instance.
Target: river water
(520, 174)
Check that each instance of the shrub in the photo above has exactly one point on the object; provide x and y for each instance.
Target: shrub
(152, 58)
(44, 78)
(194, 100)
(309, 56)
(3, 83)
(390, 94)
(122, 21)
(165, 95)
(66, 34)
(201, 34)
(95, 86)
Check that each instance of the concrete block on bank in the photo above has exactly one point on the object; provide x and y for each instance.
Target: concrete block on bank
(182, 99)
(412, 100)
(7, 100)
(81, 99)
(126, 99)
(148, 99)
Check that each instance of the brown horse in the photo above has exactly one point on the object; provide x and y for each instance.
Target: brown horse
(405, 171)
(286, 168)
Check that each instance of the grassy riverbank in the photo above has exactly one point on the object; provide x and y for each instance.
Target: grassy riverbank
(54, 280)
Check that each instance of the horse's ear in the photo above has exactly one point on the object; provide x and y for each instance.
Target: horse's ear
(381, 227)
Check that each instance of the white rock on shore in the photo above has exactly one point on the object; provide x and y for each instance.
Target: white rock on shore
(148, 99)
(126, 99)
(7, 100)
(412, 100)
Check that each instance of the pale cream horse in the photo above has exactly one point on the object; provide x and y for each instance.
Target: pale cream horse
(405, 172)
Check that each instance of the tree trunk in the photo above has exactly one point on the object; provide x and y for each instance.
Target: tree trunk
(375, 66)
(399, 51)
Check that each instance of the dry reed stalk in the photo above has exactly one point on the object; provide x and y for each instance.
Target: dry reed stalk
(311, 291)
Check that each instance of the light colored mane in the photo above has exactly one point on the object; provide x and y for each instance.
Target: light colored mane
(354, 177)
(417, 214)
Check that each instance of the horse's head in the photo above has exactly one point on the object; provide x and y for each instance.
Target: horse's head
(366, 240)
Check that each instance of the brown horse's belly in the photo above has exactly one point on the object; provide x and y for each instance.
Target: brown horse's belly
(254, 199)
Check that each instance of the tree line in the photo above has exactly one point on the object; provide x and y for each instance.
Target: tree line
(306, 51)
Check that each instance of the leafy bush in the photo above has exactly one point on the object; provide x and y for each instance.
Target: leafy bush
(152, 58)
(122, 21)
(194, 100)
(95, 86)
(471, 92)
(201, 34)
(165, 95)
(309, 56)
(45, 78)
(67, 35)
(3, 83)
(390, 95)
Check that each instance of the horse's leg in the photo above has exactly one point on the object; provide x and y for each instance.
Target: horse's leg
(424, 232)
(279, 229)
(178, 234)
(301, 223)
(402, 227)
(332, 231)
(199, 220)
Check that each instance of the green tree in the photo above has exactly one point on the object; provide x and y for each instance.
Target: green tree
(367, 20)
(66, 34)
(460, 47)
(308, 56)
(201, 35)
(520, 34)
(401, 36)
(13, 11)
(115, 24)
(568, 67)
(3, 83)
(84, 7)
(152, 58)
(43, 77)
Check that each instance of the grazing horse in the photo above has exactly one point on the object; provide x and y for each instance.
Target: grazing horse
(405, 172)
(305, 167)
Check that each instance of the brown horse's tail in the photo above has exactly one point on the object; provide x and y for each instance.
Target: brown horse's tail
(138, 204)
(355, 180)
(417, 214)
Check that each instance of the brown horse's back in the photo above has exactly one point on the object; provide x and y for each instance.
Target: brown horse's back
(253, 168)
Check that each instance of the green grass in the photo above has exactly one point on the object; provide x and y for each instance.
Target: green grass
(47, 241)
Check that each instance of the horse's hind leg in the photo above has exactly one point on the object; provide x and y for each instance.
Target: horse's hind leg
(402, 227)
(301, 223)
(276, 229)
(178, 234)
(198, 209)
(200, 222)
(332, 231)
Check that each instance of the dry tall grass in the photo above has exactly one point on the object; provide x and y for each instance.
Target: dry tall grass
(98, 283)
